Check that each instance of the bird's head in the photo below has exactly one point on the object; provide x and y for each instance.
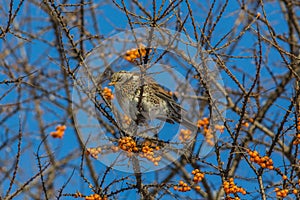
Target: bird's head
(120, 77)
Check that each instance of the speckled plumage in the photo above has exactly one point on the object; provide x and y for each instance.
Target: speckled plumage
(142, 98)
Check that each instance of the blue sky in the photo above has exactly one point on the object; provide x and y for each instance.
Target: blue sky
(111, 21)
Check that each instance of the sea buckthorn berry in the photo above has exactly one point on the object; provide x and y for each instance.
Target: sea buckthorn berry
(220, 128)
(95, 197)
(182, 187)
(276, 189)
(246, 124)
(107, 93)
(281, 192)
(231, 188)
(198, 176)
(264, 162)
(60, 131)
(297, 140)
(126, 120)
(197, 188)
(185, 135)
(149, 151)
(132, 54)
(295, 191)
(78, 194)
(93, 152)
(207, 131)
(115, 148)
(128, 144)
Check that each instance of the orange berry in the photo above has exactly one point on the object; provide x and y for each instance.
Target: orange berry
(295, 191)
(255, 153)
(263, 165)
(276, 189)
(271, 167)
(246, 124)
(197, 188)
(251, 154)
(278, 194)
(256, 159)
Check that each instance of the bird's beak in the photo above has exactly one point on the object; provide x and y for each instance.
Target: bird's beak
(112, 83)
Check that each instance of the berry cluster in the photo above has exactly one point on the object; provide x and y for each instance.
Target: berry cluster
(207, 132)
(107, 93)
(264, 162)
(203, 123)
(148, 149)
(244, 124)
(231, 188)
(182, 187)
(185, 135)
(132, 54)
(198, 176)
(281, 192)
(93, 152)
(95, 197)
(115, 148)
(91, 197)
(60, 131)
(126, 120)
(297, 140)
(232, 198)
(128, 144)
(220, 128)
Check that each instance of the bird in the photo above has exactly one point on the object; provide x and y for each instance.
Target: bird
(142, 98)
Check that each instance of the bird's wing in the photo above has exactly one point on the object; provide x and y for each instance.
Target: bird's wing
(165, 95)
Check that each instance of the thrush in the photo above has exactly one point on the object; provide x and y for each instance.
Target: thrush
(141, 98)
